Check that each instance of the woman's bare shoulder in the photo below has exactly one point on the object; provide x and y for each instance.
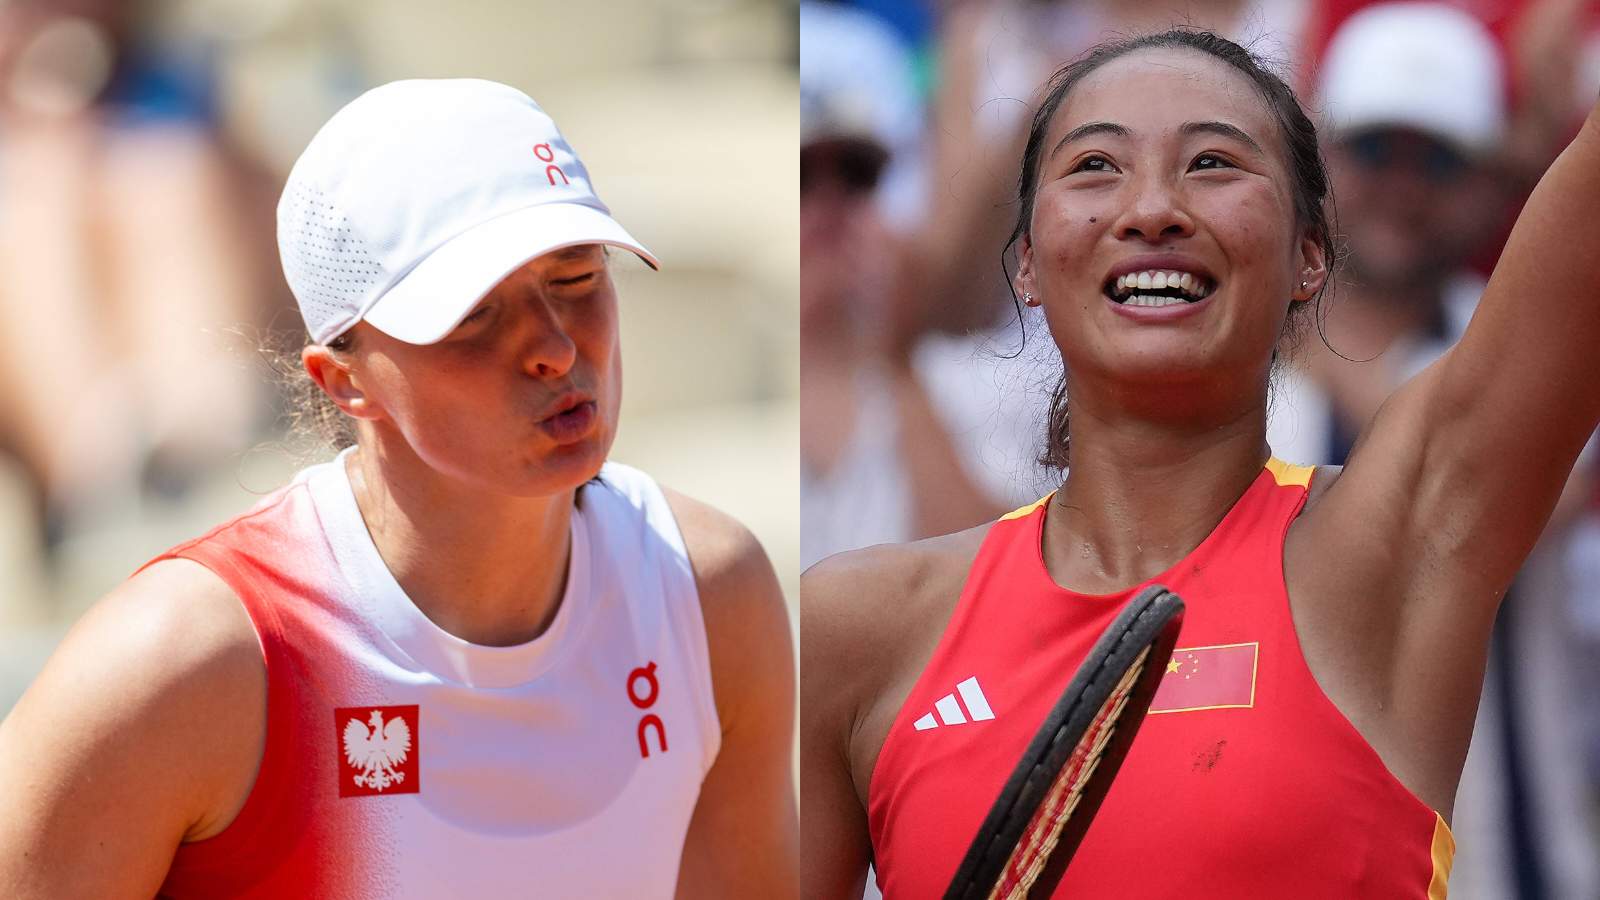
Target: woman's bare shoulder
(183, 618)
(155, 634)
(869, 619)
(167, 658)
(158, 697)
(738, 587)
(857, 604)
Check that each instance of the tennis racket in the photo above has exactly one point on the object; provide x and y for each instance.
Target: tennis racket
(1043, 811)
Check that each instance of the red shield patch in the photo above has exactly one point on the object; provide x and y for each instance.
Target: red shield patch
(377, 749)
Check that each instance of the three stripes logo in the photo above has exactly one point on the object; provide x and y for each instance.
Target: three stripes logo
(950, 710)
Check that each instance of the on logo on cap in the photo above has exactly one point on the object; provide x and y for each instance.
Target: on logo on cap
(544, 153)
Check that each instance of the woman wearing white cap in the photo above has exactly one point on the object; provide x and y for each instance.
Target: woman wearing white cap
(469, 657)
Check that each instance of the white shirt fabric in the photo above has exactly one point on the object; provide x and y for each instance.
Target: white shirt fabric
(540, 782)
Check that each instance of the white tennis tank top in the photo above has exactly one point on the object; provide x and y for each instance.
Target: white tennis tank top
(402, 761)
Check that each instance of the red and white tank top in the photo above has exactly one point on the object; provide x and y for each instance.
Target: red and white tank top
(1245, 781)
(402, 761)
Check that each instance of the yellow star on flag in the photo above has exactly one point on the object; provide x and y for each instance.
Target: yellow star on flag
(1172, 666)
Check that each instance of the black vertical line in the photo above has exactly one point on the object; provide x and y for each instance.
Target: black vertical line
(1527, 868)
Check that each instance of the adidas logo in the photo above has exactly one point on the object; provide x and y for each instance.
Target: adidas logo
(950, 711)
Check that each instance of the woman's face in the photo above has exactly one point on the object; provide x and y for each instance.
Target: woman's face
(521, 398)
(1166, 161)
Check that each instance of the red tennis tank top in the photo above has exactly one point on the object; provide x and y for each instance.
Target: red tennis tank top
(1244, 782)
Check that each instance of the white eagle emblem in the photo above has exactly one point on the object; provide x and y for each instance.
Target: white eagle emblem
(376, 752)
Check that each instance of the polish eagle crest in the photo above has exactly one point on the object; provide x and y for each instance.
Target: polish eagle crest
(377, 751)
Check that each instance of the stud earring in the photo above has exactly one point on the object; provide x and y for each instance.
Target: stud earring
(1027, 299)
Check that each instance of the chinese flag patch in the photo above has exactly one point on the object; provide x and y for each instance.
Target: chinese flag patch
(377, 750)
(1199, 678)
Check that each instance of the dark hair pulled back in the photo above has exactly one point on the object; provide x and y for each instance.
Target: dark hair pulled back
(1307, 170)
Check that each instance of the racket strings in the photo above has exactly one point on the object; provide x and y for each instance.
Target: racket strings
(1043, 831)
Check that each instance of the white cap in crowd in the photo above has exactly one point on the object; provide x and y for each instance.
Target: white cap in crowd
(418, 197)
(855, 80)
(1427, 66)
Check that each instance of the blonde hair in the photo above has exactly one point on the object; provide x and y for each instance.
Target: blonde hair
(315, 423)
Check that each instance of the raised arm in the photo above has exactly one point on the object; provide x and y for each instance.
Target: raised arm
(1398, 566)
(743, 839)
(1480, 443)
(144, 730)
(1523, 386)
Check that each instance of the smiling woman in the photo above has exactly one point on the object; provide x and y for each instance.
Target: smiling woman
(1310, 731)
(470, 653)
(1288, 134)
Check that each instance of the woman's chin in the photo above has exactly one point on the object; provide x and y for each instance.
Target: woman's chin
(546, 472)
(1159, 359)
(565, 468)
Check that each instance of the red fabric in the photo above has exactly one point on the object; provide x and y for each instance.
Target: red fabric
(1277, 797)
(294, 837)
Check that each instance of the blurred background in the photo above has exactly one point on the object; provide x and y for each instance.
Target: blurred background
(925, 384)
(142, 149)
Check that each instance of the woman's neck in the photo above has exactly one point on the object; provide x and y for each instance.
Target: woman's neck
(1139, 495)
(487, 568)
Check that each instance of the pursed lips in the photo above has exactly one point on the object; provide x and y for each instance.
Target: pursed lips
(566, 403)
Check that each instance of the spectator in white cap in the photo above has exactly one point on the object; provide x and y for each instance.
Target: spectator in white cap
(878, 462)
(1415, 97)
(468, 657)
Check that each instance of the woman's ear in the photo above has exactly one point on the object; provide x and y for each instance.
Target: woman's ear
(1313, 269)
(1022, 282)
(338, 381)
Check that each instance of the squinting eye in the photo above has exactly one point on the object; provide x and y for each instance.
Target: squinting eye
(1094, 164)
(1215, 162)
(573, 282)
(476, 314)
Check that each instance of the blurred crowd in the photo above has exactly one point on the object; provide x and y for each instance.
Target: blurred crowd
(143, 144)
(925, 384)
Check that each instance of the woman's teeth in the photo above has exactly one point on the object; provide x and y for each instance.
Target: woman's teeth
(1154, 300)
(1181, 287)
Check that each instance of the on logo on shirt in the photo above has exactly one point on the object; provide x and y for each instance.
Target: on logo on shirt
(645, 697)
(377, 750)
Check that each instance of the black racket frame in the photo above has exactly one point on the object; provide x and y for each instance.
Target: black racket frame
(1151, 619)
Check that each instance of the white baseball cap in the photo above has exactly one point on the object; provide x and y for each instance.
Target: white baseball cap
(420, 196)
(855, 80)
(1427, 66)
